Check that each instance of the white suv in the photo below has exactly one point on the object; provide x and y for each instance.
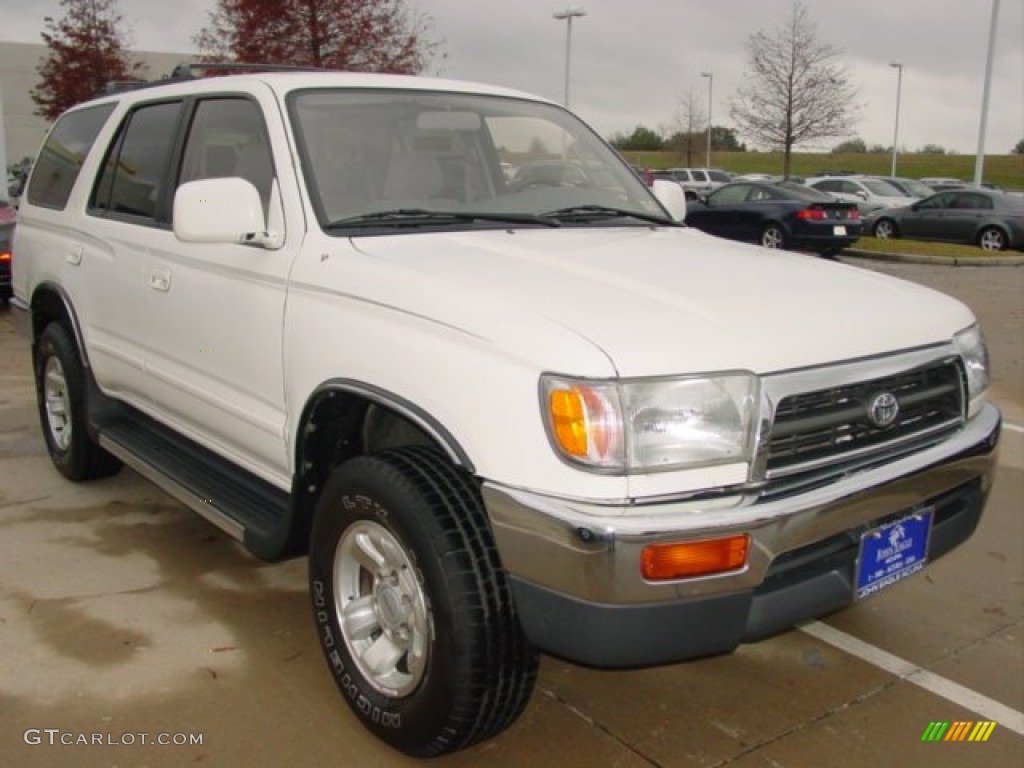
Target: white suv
(700, 180)
(502, 412)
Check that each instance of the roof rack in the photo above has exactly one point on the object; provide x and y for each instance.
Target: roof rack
(186, 71)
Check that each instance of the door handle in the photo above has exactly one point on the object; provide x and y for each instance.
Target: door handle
(160, 279)
(74, 256)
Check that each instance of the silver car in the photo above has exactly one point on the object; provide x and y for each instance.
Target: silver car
(868, 193)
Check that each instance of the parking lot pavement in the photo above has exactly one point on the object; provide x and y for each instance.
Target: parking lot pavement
(127, 619)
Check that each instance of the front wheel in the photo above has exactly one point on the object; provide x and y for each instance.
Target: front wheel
(885, 229)
(773, 237)
(992, 239)
(413, 610)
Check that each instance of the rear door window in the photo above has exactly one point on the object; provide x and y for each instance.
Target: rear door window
(61, 157)
(133, 182)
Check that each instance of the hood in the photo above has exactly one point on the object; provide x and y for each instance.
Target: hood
(660, 301)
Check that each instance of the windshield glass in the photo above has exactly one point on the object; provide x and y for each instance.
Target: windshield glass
(366, 153)
(916, 188)
(882, 188)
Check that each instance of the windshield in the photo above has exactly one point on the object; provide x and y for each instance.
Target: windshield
(492, 160)
(882, 188)
(916, 188)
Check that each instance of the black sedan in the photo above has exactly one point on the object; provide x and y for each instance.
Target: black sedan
(992, 220)
(777, 215)
(6, 233)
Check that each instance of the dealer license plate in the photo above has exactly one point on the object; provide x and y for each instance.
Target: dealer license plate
(892, 552)
(839, 229)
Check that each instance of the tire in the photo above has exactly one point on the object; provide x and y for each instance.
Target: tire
(61, 395)
(412, 607)
(772, 236)
(992, 239)
(885, 229)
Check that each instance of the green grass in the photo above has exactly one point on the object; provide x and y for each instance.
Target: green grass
(1005, 170)
(923, 248)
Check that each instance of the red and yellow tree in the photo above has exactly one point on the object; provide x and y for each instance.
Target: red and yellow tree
(353, 35)
(87, 51)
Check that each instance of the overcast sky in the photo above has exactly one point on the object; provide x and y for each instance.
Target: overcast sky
(633, 60)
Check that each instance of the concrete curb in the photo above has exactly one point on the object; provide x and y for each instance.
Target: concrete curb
(937, 261)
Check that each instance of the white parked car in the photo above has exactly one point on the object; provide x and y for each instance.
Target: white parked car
(502, 415)
(869, 193)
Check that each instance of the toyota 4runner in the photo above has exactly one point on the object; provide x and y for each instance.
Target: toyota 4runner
(438, 337)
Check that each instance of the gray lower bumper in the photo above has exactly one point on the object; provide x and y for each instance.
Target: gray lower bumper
(575, 566)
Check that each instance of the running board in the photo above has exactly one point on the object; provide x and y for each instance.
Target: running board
(242, 505)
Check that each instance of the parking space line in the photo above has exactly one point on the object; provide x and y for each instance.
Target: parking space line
(1013, 427)
(905, 670)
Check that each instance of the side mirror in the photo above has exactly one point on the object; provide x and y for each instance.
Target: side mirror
(672, 196)
(221, 211)
(861, 194)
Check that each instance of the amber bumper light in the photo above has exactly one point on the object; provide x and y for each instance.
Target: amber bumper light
(679, 560)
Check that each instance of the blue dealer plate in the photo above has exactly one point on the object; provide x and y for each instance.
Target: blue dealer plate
(892, 552)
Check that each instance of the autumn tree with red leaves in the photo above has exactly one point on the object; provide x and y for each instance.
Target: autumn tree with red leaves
(87, 51)
(353, 35)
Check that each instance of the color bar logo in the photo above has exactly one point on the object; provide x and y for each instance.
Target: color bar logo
(959, 731)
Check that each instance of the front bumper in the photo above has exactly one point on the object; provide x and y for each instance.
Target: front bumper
(574, 566)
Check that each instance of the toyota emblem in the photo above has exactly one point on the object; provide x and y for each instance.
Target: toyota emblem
(883, 409)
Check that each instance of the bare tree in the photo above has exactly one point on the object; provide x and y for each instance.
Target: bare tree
(691, 127)
(794, 91)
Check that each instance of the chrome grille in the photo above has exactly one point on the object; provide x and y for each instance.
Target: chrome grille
(829, 426)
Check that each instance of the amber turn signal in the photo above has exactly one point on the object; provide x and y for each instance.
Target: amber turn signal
(679, 560)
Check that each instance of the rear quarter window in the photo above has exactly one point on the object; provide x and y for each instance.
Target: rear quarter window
(60, 160)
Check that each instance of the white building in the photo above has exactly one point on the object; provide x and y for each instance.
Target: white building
(19, 63)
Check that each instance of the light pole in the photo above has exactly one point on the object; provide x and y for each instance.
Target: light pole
(896, 130)
(568, 15)
(979, 158)
(711, 79)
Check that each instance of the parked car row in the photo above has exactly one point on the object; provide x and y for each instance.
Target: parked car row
(764, 209)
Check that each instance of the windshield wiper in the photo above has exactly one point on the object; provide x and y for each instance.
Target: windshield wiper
(584, 212)
(419, 217)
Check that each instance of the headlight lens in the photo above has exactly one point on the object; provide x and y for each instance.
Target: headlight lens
(647, 425)
(971, 344)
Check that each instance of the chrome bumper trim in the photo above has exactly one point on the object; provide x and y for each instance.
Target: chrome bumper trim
(592, 552)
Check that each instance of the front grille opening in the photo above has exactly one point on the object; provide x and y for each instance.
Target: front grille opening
(821, 428)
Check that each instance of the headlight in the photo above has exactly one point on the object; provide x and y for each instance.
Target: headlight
(647, 425)
(972, 348)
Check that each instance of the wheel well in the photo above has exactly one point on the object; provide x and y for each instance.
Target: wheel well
(339, 424)
(49, 305)
(982, 230)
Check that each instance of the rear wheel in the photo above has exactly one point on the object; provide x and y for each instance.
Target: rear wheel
(992, 239)
(772, 236)
(413, 610)
(61, 395)
(885, 229)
